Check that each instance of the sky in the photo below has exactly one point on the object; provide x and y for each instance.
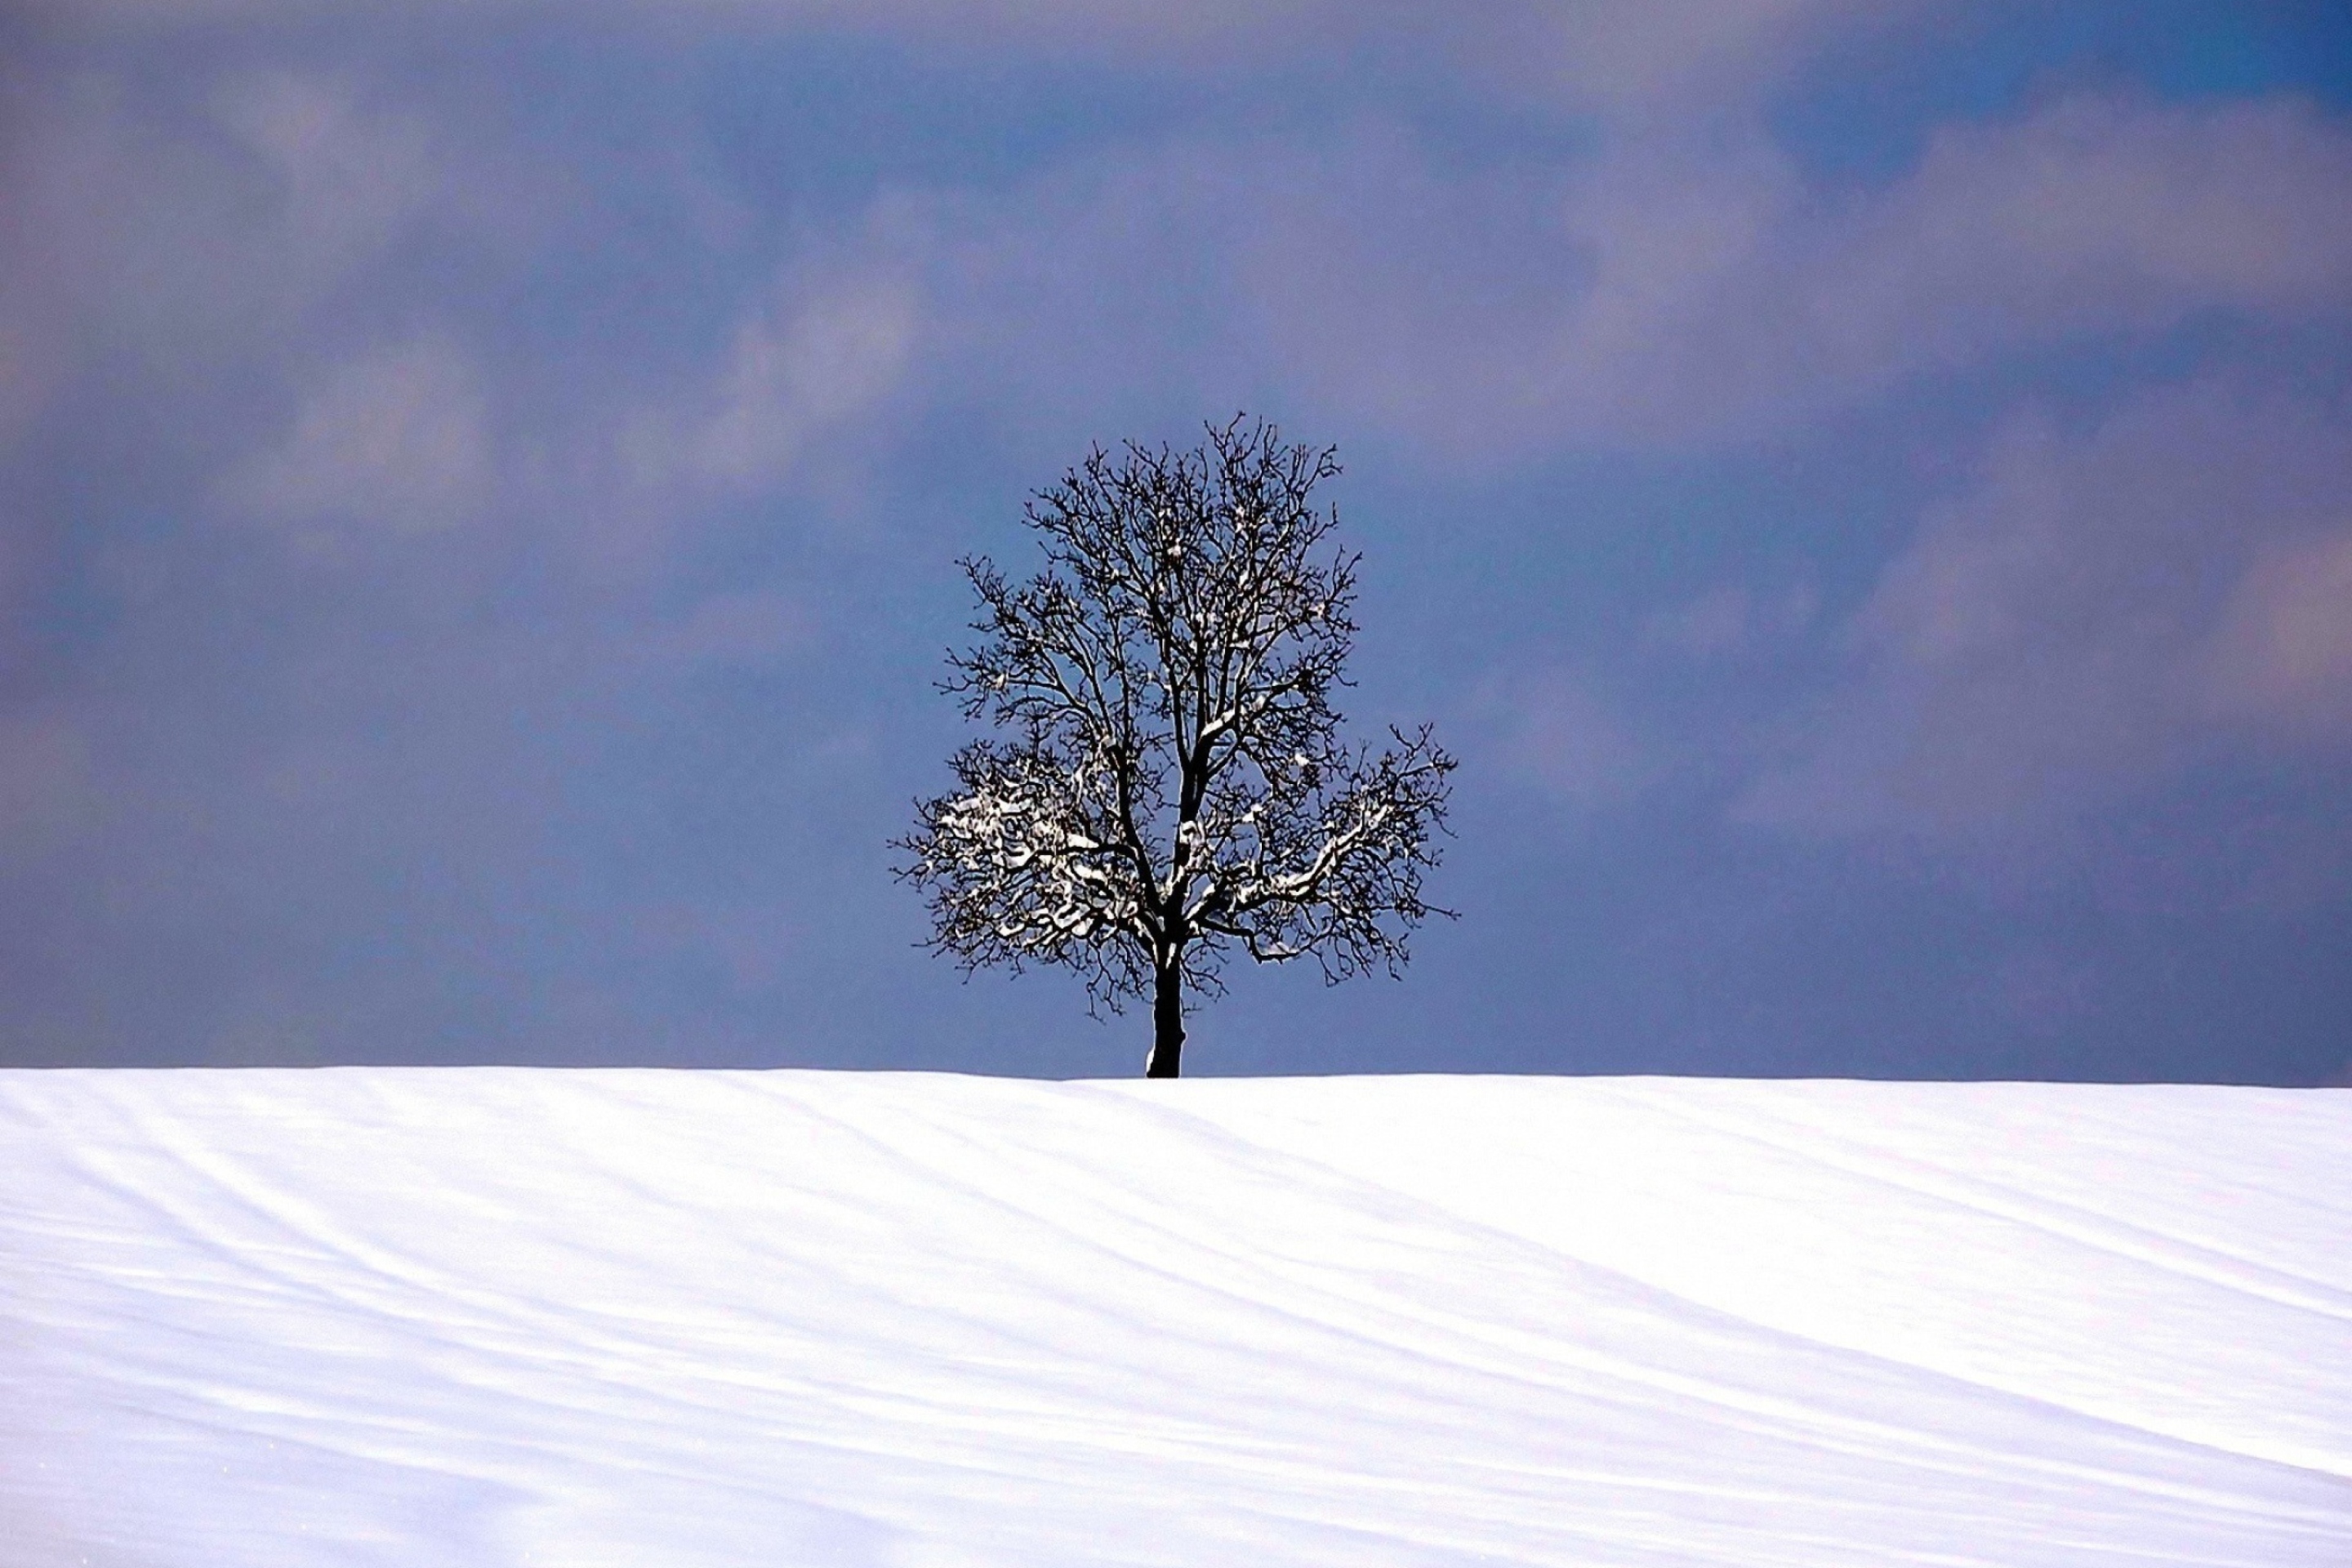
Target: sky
(1861, 486)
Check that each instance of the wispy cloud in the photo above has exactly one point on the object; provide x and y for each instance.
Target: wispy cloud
(1635, 61)
(1729, 620)
(813, 353)
(1556, 731)
(2280, 654)
(1663, 294)
(2099, 611)
(398, 437)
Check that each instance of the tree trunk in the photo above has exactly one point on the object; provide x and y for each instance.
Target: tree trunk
(1167, 1022)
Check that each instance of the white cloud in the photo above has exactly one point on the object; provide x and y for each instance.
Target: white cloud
(1560, 734)
(741, 630)
(1668, 292)
(2282, 654)
(398, 437)
(1729, 620)
(1631, 60)
(346, 177)
(801, 362)
(27, 367)
(2099, 611)
(1618, 57)
(198, 235)
(831, 354)
(46, 780)
(1080, 27)
(2096, 214)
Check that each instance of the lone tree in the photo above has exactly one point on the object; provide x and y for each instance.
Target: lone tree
(1174, 784)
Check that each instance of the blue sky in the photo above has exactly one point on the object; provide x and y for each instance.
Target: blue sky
(1861, 486)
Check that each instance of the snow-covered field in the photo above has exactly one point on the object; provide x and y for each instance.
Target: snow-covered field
(647, 1319)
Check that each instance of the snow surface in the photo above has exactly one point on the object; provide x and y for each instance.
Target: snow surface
(644, 1319)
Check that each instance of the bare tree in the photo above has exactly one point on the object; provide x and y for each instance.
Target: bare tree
(1174, 784)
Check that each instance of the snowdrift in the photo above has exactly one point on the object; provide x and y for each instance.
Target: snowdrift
(653, 1319)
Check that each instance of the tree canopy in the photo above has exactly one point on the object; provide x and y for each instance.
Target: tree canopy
(1169, 783)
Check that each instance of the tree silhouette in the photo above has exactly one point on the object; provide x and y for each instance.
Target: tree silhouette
(1173, 786)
